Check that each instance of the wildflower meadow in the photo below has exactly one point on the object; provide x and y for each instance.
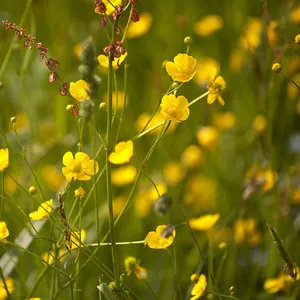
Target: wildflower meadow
(150, 149)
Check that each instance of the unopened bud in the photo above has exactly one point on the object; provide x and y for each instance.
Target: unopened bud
(32, 190)
(232, 290)
(162, 204)
(276, 68)
(188, 40)
(194, 277)
(102, 106)
(69, 107)
(297, 39)
(13, 120)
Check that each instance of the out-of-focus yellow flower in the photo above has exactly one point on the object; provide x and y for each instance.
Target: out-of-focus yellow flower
(52, 177)
(224, 120)
(216, 84)
(245, 231)
(123, 176)
(158, 118)
(259, 124)
(297, 39)
(80, 192)
(292, 91)
(208, 137)
(110, 8)
(10, 185)
(293, 65)
(118, 205)
(155, 240)
(273, 33)
(251, 37)
(79, 90)
(145, 199)
(34, 298)
(104, 62)
(199, 288)
(174, 173)
(237, 60)
(183, 67)
(295, 15)
(49, 257)
(80, 168)
(192, 157)
(208, 25)
(174, 108)
(204, 223)
(122, 154)
(4, 233)
(77, 50)
(10, 287)
(43, 211)
(140, 28)
(118, 100)
(203, 69)
(4, 159)
(77, 239)
(133, 266)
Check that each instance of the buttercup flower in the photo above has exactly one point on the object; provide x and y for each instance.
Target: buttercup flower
(80, 90)
(245, 230)
(80, 192)
(208, 137)
(80, 168)
(204, 223)
(215, 86)
(192, 157)
(77, 239)
(251, 38)
(174, 109)
(225, 120)
(49, 257)
(183, 67)
(4, 159)
(140, 28)
(123, 176)
(43, 211)
(199, 288)
(52, 177)
(174, 173)
(104, 62)
(122, 154)
(4, 233)
(208, 25)
(259, 124)
(133, 266)
(295, 15)
(110, 8)
(154, 239)
(118, 100)
(10, 287)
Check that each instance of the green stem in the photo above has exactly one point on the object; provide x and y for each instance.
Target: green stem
(117, 243)
(108, 166)
(150, 289)
(4, 283)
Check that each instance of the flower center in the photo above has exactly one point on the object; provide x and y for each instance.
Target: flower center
(77, 168)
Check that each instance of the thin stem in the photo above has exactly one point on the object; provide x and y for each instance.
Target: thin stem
(198, 98)
(117, 243)
(4, 283)
(150, 289)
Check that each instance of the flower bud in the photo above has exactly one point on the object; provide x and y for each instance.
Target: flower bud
(162, 204)
(102, 106)
(232, 290)
(32, 190)
(69, 107)
(276, 68)
(13, 120)
(194, 277)
(188, 40)
(297, 39)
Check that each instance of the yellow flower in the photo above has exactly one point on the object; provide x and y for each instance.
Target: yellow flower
(259, 124)
(295, 15)
(104, 62)
(140, 28)
(158, 118)
(122, 154)
(215, 86)
(77, 239)
(80, 90)
(4, 233)
(110, 8)
(118, 205)
(192, 157)
(203, 69)
(10, 185)
(251, 38)
(4, 159)
(174, 173)
(43, 211)
(297, 39)
(183, 67)
(123, 176)
(77, 50)
(80, 168)
(273, 33)
(237, 60)
(204, 223)
(174, 109)
(52, 177)
(10, 287)
(208, 137)
(208, 25)
(80, 192)
(35, 298)
(49, 257)
(145, 199)
(118, 100)
(273, 285)
(225, 120)
(132, 265)
(155, 240)
(199, 288)
(245, 231)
